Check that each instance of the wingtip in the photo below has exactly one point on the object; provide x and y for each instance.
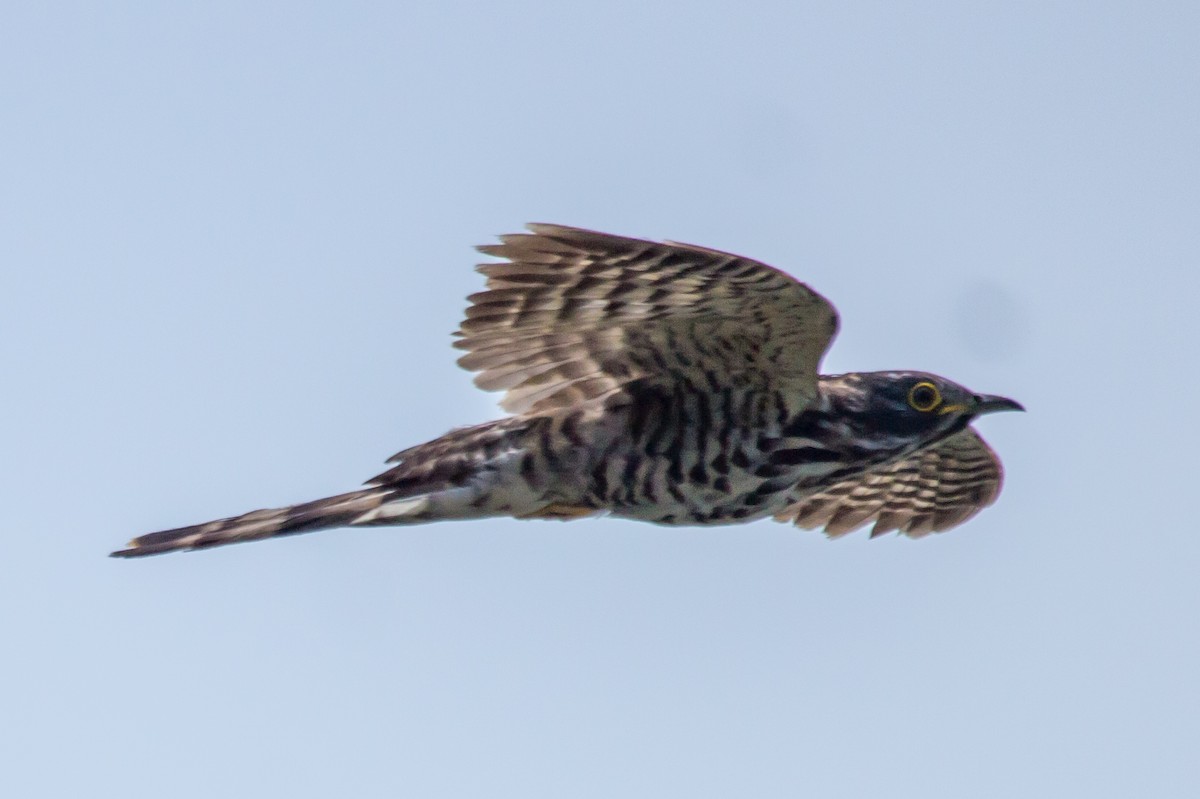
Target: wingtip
(547, 227)
(504, 247)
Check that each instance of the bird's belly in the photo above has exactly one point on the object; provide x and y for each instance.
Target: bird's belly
(674, 470)
(732, 499)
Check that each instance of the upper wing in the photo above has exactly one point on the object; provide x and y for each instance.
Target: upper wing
(929, 491)
(573, 315)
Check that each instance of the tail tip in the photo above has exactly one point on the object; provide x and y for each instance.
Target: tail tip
(133, 549)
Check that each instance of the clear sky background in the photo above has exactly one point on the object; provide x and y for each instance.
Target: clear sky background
(234, 239)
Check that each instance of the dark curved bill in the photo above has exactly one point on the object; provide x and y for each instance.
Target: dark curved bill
(990, 403)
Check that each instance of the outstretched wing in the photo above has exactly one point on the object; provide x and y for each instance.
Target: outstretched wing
(573, 315)
(929, 491)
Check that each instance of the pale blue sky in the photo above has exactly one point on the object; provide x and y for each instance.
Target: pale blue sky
(235, 238)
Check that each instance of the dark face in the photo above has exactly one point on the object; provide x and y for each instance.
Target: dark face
(924, 406)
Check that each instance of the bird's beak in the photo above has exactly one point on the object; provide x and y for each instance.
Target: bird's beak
(989, 403)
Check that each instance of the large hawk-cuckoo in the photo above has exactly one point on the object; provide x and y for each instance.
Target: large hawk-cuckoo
(668, 383)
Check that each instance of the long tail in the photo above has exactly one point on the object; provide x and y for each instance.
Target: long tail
(440, 479)
(320, 514)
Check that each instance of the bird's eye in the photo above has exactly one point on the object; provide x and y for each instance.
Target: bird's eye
(924, 396)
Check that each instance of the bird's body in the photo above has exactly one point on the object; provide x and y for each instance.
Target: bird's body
(663, 383)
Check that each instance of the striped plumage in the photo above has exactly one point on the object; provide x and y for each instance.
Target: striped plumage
(668, 383)
(932, 490)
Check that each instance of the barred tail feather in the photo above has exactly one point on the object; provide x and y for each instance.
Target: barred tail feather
(320, 514)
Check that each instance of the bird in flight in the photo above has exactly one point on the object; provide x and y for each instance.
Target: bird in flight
(667, 383)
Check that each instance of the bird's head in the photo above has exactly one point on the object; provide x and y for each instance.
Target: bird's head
(916, 407)
(907, 403)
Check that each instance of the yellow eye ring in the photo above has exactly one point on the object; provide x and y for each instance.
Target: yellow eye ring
(924, 396)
